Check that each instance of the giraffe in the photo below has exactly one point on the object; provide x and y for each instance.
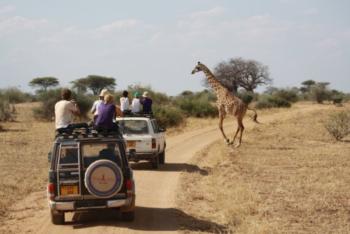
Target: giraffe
(227, 103)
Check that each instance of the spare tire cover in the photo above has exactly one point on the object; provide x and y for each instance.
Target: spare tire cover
(103, 178)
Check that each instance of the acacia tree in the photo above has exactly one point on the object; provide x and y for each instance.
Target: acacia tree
(95, 83)
(238, 72)
(44, 82)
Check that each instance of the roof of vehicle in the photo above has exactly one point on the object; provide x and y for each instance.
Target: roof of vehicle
(79, 135)
(133, 118)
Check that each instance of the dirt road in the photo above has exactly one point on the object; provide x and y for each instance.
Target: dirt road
(155, 190)
(156, 193)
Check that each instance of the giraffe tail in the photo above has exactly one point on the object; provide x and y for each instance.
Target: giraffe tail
(255, 117)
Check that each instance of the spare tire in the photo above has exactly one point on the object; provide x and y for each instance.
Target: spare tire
(103, 178)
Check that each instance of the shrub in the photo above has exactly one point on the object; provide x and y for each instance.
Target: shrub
(168, 116)
(6, 113)
(49, 98)
(338, 125)
(270, 101)
(14, 95)
(319, 93)
(197, 104)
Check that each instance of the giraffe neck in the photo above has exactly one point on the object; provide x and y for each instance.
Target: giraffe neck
(213, 82)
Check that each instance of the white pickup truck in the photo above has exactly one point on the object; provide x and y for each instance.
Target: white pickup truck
(144, 139)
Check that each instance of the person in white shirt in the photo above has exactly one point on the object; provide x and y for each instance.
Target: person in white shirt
(65, 110)
(136, 104)
(124, 102)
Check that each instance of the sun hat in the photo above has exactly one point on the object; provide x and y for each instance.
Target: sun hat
(145, 94)
(136, 94)
(103, 92)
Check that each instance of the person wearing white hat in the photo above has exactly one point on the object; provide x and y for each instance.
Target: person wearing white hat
(146, 103)
(97, 103)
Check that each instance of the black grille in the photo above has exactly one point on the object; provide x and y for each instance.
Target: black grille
(90, 203)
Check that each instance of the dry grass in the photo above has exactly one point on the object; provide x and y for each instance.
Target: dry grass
(289, 176)
(24, 145)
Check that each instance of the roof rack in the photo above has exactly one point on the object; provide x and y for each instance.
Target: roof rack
(150, 115)
(80, 133)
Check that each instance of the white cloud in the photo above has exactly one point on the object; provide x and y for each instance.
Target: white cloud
(119, 25)
(311, 11)
(328, 43)
(6, 9)
(19, 23)
(216, 11)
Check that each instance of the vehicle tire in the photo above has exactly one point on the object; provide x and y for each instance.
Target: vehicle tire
(162, 158)
(128, 216)
(155, 162)
(103, 178)
(57, 218)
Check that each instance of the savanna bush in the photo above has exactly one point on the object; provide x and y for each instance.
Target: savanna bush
(14, 95)
(197, 104)
(48, 99)
(6, 112)
(338, 124)
(168, 116)
(270, 101)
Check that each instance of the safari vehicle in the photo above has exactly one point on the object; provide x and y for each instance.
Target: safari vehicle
(145, 140)
(90, 172)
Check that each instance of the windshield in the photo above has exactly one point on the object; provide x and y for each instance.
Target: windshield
(94, 151)
(133, 126)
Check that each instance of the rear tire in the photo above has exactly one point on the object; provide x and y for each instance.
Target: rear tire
(155, 162)
(162, 158)
(128, 216)
(57, 218)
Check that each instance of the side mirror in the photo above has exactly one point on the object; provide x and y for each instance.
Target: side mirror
(49, 156)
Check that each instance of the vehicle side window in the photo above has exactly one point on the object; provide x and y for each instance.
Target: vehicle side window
(155, 126)
(92, 152)
(68, 155)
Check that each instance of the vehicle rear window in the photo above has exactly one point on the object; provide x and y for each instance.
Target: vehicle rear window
(68, 155)
(92, 152)
(134, 126)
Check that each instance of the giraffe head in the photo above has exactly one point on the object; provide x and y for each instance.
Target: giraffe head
(197, 68)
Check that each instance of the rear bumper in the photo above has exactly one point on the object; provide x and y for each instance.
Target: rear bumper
(72, 205)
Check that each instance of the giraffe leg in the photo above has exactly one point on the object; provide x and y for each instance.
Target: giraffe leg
(221, 117)
(234, 138)
(241, 126)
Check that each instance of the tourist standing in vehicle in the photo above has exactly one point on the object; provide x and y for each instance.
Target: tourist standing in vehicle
(146, 103)
(106, 114)
(124, 102)
(65, 110)
(98, 102)
(136, 104)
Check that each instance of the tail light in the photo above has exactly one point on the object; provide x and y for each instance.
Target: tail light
(129, 184)
(154, 145)
(51, 190)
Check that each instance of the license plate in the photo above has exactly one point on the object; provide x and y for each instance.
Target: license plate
(69, 190)
(131, 144)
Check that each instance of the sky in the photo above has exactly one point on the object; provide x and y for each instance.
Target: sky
(158, 42)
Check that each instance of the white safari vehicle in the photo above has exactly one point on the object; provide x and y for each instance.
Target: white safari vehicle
(144, 139)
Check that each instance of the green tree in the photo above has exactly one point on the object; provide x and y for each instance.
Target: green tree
(239, 72)
(95, 83)
(43, 83)
(306, 85)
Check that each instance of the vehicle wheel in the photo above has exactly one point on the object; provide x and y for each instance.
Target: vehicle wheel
(155, 162)
(103, 178)
(57, 218)
(162, 158)
(128, 216)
